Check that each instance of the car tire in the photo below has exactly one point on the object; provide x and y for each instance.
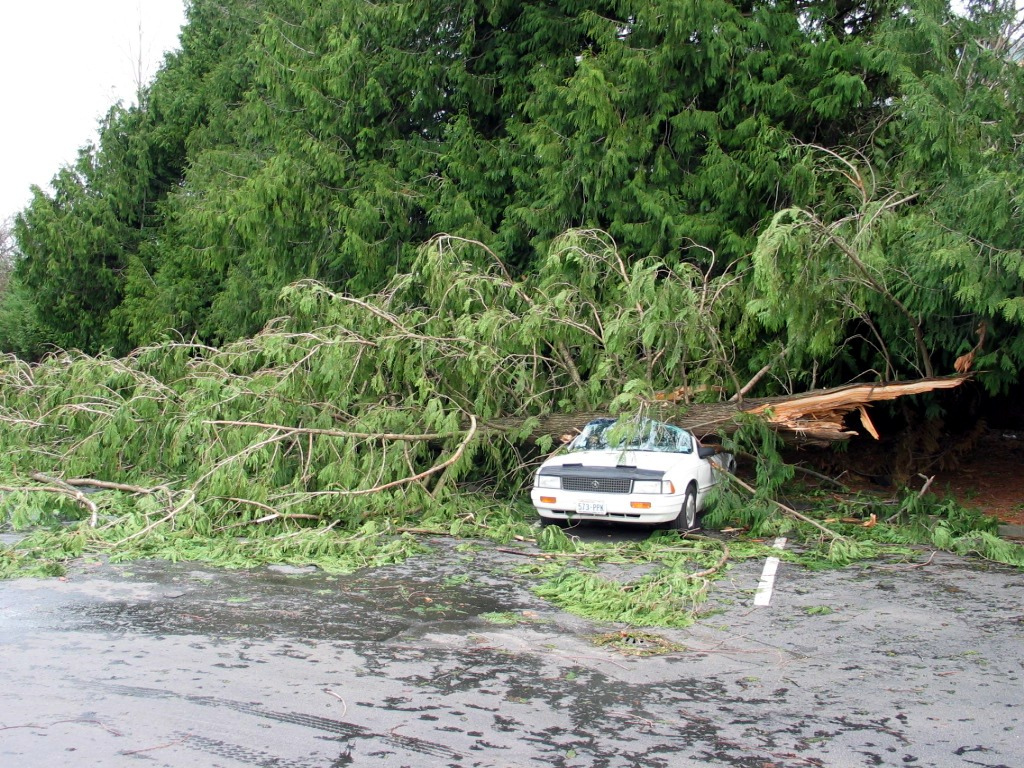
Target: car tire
(688, 516)
(545, 521)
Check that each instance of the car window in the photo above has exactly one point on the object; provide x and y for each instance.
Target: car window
(607, 434)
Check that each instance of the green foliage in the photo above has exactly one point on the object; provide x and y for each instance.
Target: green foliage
(818, 610)
(20, 331)
(867, 527)
(669, 592)
(504, 619)
(651, 602)
(72, 248)
(44, 553)
(731, 505)
(20, 563)
(947, 525)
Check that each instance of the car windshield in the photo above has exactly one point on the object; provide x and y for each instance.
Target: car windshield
(607, 434)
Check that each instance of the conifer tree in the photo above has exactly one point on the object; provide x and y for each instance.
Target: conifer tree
(292, 140)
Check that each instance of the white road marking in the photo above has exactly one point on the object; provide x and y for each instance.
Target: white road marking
(763, 596)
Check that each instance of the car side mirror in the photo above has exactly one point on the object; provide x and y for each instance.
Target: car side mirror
(706, 451)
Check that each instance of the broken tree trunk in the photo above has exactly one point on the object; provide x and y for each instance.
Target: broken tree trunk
(815, 417)
(818, 416)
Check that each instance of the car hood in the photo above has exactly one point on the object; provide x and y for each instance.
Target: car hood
(639, 459)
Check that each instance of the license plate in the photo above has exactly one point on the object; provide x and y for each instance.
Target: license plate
(591, 508)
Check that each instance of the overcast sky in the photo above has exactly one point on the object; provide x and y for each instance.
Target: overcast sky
(63, 63)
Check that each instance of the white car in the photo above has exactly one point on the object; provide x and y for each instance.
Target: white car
(638, 472)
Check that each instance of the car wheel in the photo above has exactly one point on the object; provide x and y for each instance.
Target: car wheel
(545, 521)
(687, 519)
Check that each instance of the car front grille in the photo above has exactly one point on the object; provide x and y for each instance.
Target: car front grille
(598, 484)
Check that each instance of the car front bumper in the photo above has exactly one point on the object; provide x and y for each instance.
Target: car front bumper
(618, 507)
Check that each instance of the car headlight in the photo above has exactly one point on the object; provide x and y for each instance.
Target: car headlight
(548, 481)
(652, 486)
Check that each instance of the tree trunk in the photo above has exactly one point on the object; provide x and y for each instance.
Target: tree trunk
(815, 417)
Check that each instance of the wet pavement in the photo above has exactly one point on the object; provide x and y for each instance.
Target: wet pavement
(161, 664)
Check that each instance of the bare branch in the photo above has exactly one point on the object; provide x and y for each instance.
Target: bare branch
(338, 433)
(89, 482)
(406, 480)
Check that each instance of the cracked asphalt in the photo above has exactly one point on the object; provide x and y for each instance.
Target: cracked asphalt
(164, 664)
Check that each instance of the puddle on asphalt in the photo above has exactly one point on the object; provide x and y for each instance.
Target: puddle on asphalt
(265, 604)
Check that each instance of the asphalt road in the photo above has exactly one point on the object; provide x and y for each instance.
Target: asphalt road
(179, 665)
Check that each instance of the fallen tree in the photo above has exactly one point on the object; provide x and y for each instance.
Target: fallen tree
(349, 408)
(817, 417)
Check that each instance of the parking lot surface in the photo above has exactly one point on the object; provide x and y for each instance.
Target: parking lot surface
(161, 664)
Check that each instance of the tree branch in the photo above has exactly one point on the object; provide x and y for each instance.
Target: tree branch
(335, 432)
(61, 489)
(406, 480)
(787, 510)
(169, 516)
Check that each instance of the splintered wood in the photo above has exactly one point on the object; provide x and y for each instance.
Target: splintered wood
(818, 417)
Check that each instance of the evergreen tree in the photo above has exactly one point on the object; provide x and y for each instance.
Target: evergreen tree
(908, 254)
(870, 145)
(72, 249)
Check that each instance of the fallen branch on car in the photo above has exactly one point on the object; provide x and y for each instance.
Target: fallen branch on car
(816, 417)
